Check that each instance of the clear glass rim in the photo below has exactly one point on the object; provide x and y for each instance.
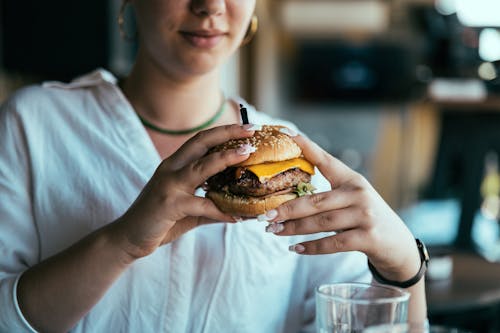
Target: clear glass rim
(402, 297)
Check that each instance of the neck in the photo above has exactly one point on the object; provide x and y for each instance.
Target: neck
(172, 101)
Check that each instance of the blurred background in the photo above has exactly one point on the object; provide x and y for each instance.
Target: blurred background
(407, 92)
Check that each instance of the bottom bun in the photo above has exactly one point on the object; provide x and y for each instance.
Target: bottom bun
(247, 206)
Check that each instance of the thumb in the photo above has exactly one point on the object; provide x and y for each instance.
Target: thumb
(185, 225)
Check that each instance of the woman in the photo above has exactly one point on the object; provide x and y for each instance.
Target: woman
(97, 205)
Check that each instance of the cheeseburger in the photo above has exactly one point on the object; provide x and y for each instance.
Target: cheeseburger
(275, 173)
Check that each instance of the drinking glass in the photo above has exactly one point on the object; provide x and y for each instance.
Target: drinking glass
(351, 307)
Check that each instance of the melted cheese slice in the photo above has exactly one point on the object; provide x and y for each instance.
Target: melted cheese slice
(266, 171)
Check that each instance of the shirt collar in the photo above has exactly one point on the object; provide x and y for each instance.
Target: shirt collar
(94, 78)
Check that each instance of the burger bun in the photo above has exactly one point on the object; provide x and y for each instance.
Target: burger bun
(247, 206)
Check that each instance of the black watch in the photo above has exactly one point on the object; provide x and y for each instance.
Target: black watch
(424, 259)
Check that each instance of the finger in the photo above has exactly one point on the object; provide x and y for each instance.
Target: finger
(351, 240)
(335, 220)
(202, 207)
(333, 169)
(200, 144)
(308, 205)
(195, 173)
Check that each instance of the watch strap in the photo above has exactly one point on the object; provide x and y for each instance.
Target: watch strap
(424, 259)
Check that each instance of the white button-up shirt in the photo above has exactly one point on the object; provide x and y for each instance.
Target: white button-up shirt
(73, 157)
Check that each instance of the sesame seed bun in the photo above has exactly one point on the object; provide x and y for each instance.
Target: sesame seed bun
(271, 146)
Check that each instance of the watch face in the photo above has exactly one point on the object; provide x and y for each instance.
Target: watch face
(423, 251)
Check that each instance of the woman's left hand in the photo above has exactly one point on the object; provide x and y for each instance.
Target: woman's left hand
(353, 209)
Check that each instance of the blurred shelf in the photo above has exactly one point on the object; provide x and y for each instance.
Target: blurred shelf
(491, 103)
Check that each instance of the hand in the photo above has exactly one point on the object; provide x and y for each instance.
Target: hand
(352, 208)
(167, 207)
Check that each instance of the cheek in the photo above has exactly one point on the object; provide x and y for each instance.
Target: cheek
(155, 16)
(242, 11)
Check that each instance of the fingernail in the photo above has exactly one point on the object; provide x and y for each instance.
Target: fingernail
(297, 248)
(237, 219)
(287, 131)
(275, 228)
(245, 149)
(268, 216)
(252, 127)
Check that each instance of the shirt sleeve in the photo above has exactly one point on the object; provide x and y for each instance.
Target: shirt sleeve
(19, 244)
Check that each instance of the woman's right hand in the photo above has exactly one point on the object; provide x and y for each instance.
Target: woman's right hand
(167, 207)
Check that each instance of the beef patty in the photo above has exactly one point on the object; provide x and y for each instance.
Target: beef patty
(249, 184)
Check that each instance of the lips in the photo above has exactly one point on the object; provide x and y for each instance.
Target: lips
(206, 39)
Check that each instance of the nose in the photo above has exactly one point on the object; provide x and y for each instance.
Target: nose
(208, 7)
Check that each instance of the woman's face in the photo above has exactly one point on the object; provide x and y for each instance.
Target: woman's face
(191, 37)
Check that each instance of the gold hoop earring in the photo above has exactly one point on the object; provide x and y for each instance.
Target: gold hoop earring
(121, 23)
(251, 31)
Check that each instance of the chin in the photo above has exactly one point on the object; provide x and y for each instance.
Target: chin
(203, 62)
(274, 174)
(199, 66)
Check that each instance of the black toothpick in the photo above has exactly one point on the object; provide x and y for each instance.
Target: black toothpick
(244, 114)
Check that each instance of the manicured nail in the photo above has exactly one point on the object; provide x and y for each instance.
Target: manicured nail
(268, 216)
(287, 131)
(252, 127)
(275, 228)
(245, 149)
(298, 248)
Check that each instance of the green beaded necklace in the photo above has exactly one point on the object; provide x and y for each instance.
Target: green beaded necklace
(191, 130)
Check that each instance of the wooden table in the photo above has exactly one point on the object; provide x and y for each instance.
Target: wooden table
(470, 298)
(475, 282)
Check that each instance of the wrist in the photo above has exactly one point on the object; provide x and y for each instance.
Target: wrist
(117, 240)
(402, 272)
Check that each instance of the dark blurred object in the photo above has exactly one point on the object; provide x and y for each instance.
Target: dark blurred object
(468, 133)
(339, 70)
(451, 49)
(55, 39)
